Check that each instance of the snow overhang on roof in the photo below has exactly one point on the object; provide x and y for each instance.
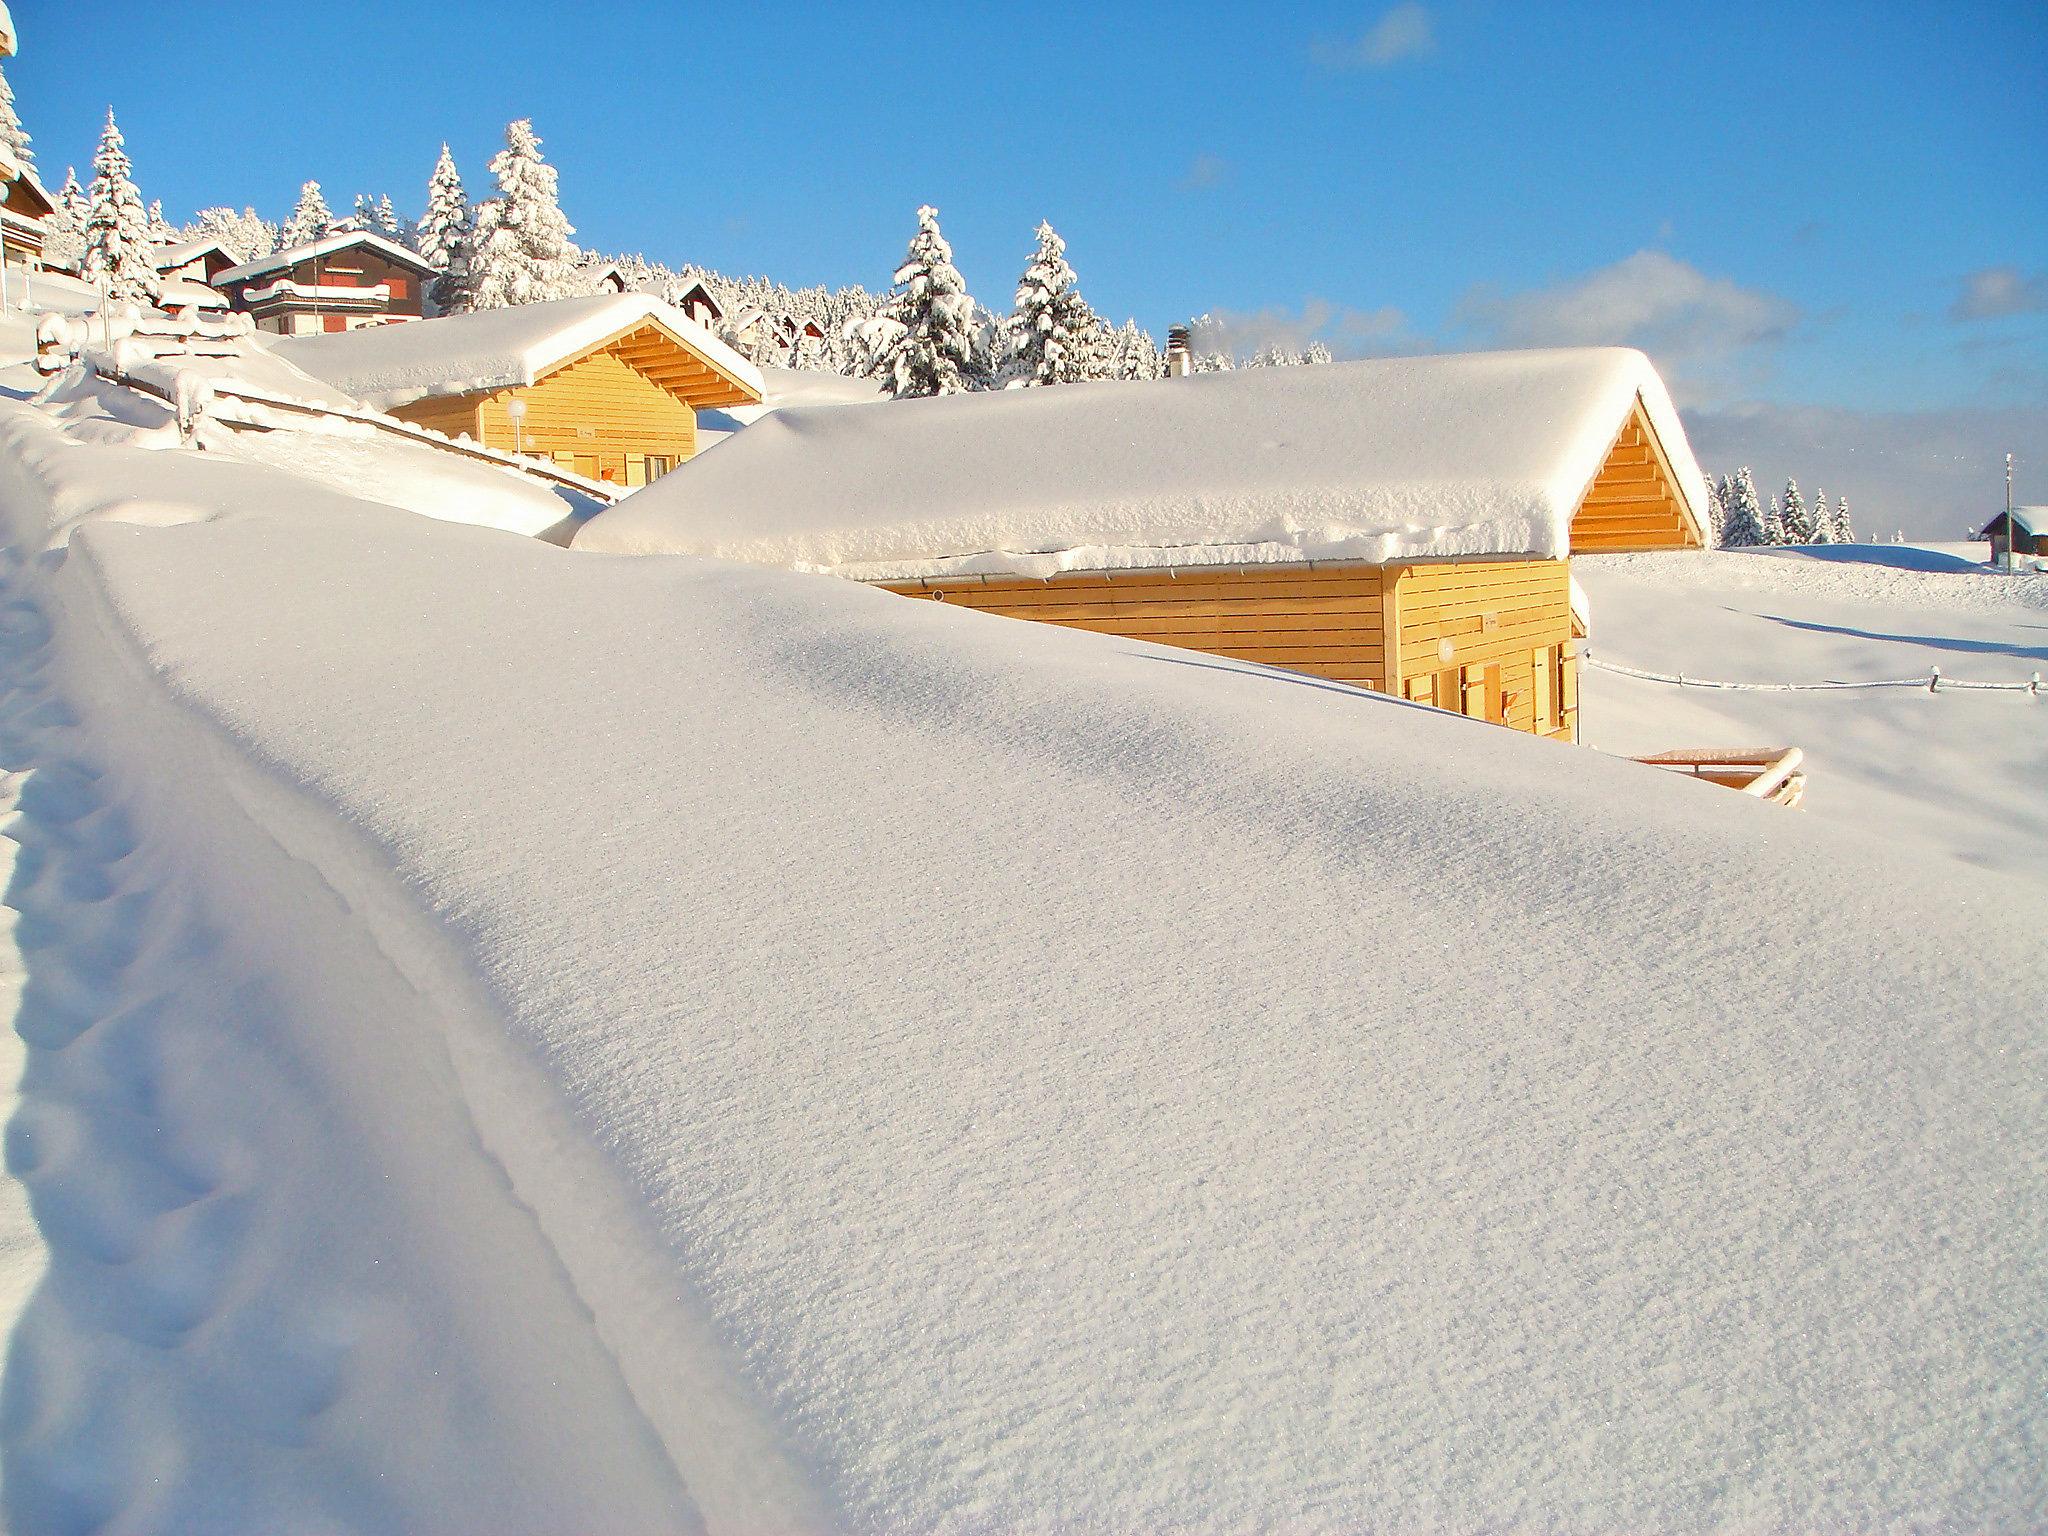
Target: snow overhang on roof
(327, 246)
(1446, 457)
(168, 256)
(493, 349)
(2032, 522)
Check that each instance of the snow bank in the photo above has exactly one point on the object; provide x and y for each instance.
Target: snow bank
(985, 1074)
(1959, 775)
(392, 365)
(1399, 458)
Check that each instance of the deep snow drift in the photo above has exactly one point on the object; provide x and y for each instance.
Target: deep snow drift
(902, 1068)
(1963, 774)
(1397, 458)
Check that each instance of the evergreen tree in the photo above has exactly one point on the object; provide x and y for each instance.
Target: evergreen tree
(1717, 510)
(1845, 531)
(1744, 524)
(1797, 520)
(1774, 523)
(1137, 354)
(64, 230)
(1318, 353)
(311, 220)
(1053, 333)
(519, 251)
(932, 353)
(117, 258)
(14, 137)
(245, 235)
(160, 231)
(1821, 520)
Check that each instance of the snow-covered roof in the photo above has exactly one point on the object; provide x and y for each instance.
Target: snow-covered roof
(327, 245)
(185, 292)
(2032, 522)
(393, 365)
(1398, 458)
(168, 256)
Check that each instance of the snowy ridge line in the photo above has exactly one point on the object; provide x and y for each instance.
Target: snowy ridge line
(1934, 682)
(110, 369)
(277, 851)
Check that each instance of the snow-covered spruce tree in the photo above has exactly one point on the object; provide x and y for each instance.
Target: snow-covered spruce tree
(1845, 531)
(64, 230)
(1823, 521)
(311, 220)
(118, 258)
(14, 137)
(160, 230)
(1744, 525)
(520, 252)
(1318, 352)
(934, 352)
(1798, 521)
(1052, 329)
(1137, 354)
(447, 218)
(1717, 510)
(245, 235)
(1774, 523)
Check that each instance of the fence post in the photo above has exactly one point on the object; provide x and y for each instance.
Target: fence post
(1934, 679)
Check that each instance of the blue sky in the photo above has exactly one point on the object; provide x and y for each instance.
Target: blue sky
(1829, 206)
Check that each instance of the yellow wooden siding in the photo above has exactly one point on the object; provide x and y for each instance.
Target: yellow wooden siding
(453, 415)
(1632, 503)
(1322, 622)
(598, 408)
(1502, 612)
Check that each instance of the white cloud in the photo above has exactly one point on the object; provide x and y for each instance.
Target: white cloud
(1709, 335)
(1992, 292)
(1405, 32)
(1346, 332)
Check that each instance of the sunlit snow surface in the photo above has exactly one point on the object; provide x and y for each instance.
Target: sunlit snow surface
(519, 1039)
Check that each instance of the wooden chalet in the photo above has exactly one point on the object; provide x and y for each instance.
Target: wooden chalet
(608, 386)
(2024, 532)
(697, 302)
(348, 279)
(197, 261)
(25, 209)
(1402, 525)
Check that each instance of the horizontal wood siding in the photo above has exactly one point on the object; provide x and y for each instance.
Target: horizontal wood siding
(453, 415)
(1633, 502)
(1322, 622)
(598, 407)
(1493, 612)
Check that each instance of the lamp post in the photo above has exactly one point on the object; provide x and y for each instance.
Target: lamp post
(2011, 558)
(516, 409)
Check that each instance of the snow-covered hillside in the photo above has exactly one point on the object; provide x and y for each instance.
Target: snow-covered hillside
(1961, 773)
(522, 1040)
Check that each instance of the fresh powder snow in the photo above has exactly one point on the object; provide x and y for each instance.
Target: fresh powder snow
(1400, 458)
(524, 1039)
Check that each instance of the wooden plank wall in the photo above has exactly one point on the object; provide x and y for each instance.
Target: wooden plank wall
(598, 407)
(452, 414)
(1501, 612)
(1322, 622)
(1632, 502)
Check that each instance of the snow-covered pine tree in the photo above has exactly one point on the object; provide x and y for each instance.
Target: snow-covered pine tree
(1744, 524)
(933, 354)
(160, 230)
(245, 235)
(1137, 353)
(1845, 531)
(1774, 522)
(311, 220)
(64, 230)
(1822, 520)
(447, 219)
(520, 252)
(1717, 510)
(1318, 353)
(118, 259)
(13, 136)
(1053, 332)
(1797, 520)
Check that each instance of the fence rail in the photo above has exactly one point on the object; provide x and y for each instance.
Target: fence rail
(1933, 682)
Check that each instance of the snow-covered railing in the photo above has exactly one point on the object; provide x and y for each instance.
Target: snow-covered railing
(1933, 682)
(319, 292)
(189, 396)
(1765, 773)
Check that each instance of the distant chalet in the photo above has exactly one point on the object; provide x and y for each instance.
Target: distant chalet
(2024, 531)
(337, 283)
(1403, 525)
(607, 386)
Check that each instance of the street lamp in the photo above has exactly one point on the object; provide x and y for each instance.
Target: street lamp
(516, 409)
